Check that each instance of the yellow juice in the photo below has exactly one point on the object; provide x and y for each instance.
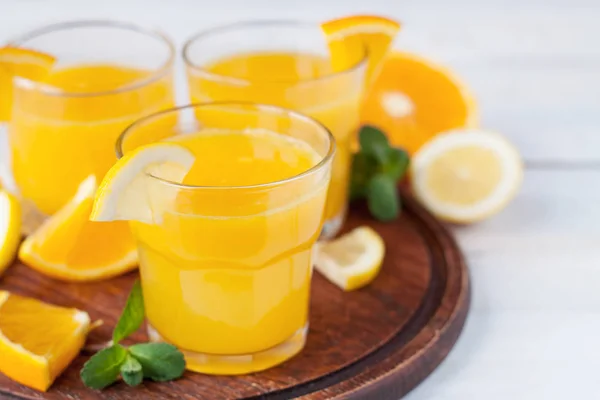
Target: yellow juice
(64, 128)
(226, 272)
(301, 81)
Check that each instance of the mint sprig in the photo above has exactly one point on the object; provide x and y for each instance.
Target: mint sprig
(376, 170)
(156, 361)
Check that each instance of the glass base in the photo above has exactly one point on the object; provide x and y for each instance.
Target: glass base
(214, 364)
(332, 226)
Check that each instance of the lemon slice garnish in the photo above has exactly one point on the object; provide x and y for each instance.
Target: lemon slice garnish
(126, 193)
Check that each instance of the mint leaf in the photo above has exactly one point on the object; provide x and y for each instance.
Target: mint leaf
(103, 368)
(363, 166)
(132, 316)
(374, 143)
(131, 371)
(382, 197)
(160, 361)
(397, 163)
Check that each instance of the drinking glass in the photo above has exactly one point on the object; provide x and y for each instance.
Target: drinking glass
(63, 128)
(284, 63)
(226, 270)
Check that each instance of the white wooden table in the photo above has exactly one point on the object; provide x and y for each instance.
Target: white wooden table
(535, 68)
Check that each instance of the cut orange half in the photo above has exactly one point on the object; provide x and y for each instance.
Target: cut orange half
(16, 61)
(70, 247)
(352, 38)
(413, 99)
(37, 340)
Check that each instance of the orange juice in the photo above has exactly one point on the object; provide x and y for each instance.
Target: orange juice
(228, 273)
(64, 128)
(301, 81)
(226, 252)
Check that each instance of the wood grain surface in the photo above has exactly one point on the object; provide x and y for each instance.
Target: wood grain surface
(379, 341)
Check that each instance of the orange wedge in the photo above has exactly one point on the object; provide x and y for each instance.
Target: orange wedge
(37, 340)
(70, 247)
(413, 99)
(352, 38)
(19, 62)
(10, 229)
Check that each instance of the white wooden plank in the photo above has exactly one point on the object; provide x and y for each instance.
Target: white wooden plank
(522, 356)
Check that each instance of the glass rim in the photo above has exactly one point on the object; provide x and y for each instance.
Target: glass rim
(163, 70)
(324, 160)
(207, 33)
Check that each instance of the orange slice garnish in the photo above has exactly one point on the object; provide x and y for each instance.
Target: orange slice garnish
(349, 38)
(37, 340)
(412, 99)
(16, 61)
(68, 246)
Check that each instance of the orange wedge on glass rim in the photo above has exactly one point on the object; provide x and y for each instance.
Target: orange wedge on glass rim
(350, 37)
(26, 63)
(37, 340)
(68, 246)
(413, 99)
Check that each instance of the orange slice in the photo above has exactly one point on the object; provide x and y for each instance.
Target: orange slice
(37, 340)
(70, 247)
(19, 62)
(413, 99)
(349, 37)
(10, 229)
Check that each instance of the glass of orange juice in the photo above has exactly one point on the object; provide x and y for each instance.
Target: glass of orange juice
(285, 64)
(63, 127)
(226, 263)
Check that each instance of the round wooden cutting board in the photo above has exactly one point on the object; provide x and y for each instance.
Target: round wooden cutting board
(377, 342)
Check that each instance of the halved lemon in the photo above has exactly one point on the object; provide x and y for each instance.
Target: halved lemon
(37, 340)
(350, 37)
(16, 61)
(464, 176)
(351, 261)
(127, 194)
(10, 228)
(413, 99)
(70, 247)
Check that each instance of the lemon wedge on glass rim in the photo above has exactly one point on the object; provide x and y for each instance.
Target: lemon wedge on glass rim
(124, 193)
(351, 261)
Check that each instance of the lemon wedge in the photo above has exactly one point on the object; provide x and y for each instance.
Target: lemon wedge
(10, 228)
(37, 340)
(466, 175)
(124, 192)
(351, 261)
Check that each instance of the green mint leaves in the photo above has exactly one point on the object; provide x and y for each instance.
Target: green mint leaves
(157, 361)
(160, 361)
(103, 368)
(133, 314)
(376, 170)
